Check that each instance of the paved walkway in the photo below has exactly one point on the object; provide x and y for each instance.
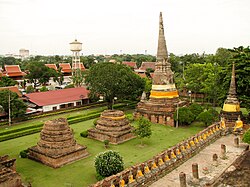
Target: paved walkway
(207, 168)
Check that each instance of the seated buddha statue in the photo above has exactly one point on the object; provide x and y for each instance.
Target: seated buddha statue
(222, 123)
(238, 125)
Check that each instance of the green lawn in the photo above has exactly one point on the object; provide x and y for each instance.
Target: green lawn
(82, 173)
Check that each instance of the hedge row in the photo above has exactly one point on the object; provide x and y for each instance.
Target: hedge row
(53, 113)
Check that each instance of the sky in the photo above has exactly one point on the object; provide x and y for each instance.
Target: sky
(46, 27)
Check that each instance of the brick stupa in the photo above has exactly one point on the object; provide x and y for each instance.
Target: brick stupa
(164, 96)
(57, 145)
(231, 108)
(112, 126)
(8, 175)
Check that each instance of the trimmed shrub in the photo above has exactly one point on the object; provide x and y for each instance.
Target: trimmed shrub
(24, 153)
(108, 163)
(206, 117)
(185, 116)
(246, 137)
(196, 109)
(84, 134)
(130, 117)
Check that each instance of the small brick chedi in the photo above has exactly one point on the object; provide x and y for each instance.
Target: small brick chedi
(112, 126)
(8, 175)
(231, 108)
(164, 96)
(57, 145)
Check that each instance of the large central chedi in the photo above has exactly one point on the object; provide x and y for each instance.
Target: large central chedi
(164, 95)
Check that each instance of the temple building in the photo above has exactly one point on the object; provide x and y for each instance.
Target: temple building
(164, 96)
(231, 108)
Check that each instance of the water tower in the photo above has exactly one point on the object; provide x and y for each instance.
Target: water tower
(76, 47)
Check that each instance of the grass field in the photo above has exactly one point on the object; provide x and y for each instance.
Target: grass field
(82, 173)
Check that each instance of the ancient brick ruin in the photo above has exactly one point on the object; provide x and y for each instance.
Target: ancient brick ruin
(57, 145)
(164, 96)
(8, 175)
(112, 126)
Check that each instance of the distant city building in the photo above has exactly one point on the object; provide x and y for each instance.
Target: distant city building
(24, 53)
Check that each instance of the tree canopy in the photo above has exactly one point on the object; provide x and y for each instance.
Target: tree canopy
(114, 80)
(17, 106)
(6, 81)
(39, 73)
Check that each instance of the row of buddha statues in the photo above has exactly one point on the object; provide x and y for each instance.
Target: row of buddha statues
(170, 157)
(238, 126)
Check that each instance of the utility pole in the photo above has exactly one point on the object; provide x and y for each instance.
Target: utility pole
(9, 110)
(177, 116)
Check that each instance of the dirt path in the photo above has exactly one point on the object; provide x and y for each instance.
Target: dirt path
(207, 168)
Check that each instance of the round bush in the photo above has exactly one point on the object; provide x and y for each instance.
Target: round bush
(205, 117)
(108, 163)
(24, 153)
(84, 134)
(196, 109)
(130, 117)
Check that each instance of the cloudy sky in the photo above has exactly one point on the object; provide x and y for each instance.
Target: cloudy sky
(122, 26)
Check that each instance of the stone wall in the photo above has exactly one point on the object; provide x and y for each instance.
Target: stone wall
(147, 172)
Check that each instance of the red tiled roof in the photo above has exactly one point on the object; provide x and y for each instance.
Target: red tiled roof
(142, 75)
(81, 66)
(58, 96)
(13, 89)
(66, 68)
(131, 64)
(13, 71)
(146, 65)
(52, 66)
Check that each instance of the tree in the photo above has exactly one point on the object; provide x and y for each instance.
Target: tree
(108, 163)
(78, 78)
(143, 130)
(39, 73)
(44, 89)
(114, 80)
(17, 106)
(58, 76)
(6, 81)
(185, 116)
(30, 89)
